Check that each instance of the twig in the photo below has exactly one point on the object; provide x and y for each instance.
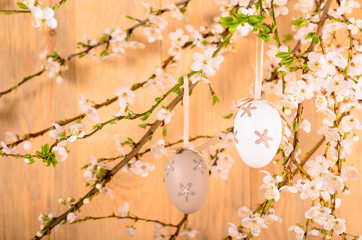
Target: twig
(320, 24)
(8, 12)
(22, 82)
(183, 220)
(135, 218)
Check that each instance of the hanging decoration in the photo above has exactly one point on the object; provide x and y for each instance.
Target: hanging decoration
(186, 175)
(257, 126)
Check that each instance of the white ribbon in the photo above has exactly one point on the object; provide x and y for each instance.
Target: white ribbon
(186, 112)
(258, 69)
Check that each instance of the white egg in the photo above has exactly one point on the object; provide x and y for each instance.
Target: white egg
(258, 131)
(186, 178)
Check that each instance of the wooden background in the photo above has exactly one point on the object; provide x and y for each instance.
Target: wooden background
(25, 191)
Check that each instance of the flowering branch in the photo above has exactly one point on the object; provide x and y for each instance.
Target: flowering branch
(88, 48)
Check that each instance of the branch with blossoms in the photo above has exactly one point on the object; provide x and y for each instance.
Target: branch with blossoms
(116, 41)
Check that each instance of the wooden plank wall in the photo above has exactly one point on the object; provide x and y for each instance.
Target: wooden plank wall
(25, 191)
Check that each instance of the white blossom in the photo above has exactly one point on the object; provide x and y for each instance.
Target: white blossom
(299, 232)
(254, 225)
(175, 11)
(190, 233)
(43, 17)
(337, 224)
(60, 153)
(158, 150)
(90, 111)
(164, 115)
(130, 231)
(205, 62)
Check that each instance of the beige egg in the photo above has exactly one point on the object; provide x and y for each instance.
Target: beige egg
(186, 178)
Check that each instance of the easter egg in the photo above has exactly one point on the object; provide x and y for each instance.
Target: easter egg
(186, 178)
(257, 131)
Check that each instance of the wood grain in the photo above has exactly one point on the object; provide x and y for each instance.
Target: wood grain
(28, 190)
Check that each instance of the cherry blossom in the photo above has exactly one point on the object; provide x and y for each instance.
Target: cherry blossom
(234, 233)
(153, 31)
(227, 139)
(123, 210)
(158, 150)
(29, 3)
(43, 17)
(349, 172)
(311, 189)
(253, 224)
(71, 217)
(218, 171)
(175, 11)
(206, 62)
(272, 191)
(60, 153)
(130, 231)
(319, 214)
(90, 111)
(125, 96)
(164, 115)
(337, 224)
(190, 233)
(141, 168)
(298, 231)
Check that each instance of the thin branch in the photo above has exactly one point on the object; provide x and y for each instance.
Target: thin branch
(22, 82)
(135, 218)
(178, 228)
(320, 24)
(8, 12)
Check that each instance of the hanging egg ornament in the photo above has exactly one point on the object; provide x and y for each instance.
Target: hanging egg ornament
(258, 131)
(186, 178)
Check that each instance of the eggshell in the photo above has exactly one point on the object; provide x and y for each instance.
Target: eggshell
(258, 131)
(186, 179)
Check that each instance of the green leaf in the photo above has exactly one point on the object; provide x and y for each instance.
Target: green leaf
(145, 117)
(287, 38)
(295, 126)
(158, 99)
(45, 148)
(285, 161)
(143, 126)
(215, 99)
(316, 39)
(130, 17)
(104, 53)
(228, 116)
(164, 132)
(300, 22)
(21, 5)
(282, 54)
